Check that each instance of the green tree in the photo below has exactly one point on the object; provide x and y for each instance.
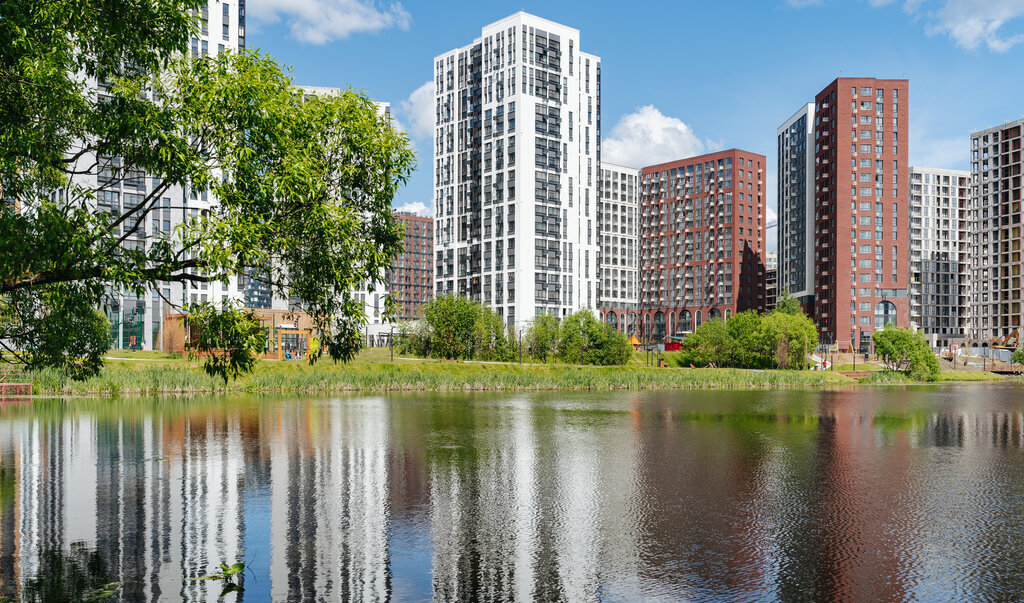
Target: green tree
(1018, 356)
(747, 347)
(453, 321)
(490, 336)
(304, 185)
(414, 338)
(573, 335)
(610, 348)
(232, 337)
(789, 338)
(582, 339)
(787, 305)
(906, 350)
(709, 343)
(542, 337)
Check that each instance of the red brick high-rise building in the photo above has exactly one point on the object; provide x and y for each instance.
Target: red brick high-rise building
(702, 240)
(411, 278)
(860, 208)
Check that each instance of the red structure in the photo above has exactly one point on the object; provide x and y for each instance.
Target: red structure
(15, 381)
(861, 209)
(702, 241)
(410, 280)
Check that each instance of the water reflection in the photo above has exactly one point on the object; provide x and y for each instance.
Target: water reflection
(877, 494)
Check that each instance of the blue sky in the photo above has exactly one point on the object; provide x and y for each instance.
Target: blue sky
(683, 77)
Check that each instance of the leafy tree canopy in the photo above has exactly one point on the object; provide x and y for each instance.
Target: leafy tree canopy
(542, 337)
(779, 339)
(787, 305)
(904, 349)
(97, 92)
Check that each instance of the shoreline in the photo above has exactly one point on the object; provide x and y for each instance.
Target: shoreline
(374, 373)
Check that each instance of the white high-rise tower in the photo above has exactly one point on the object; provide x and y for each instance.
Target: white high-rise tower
(516, 167)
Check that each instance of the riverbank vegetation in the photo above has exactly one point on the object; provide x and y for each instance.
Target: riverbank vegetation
(373, 371)
(456, 328)
(782, 338)
(907, 352)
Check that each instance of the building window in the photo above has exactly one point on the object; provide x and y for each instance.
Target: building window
(885, 313)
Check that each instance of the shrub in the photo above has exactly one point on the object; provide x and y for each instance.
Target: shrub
(905, 350)
(542, 337)
(751, 340)
(582, 339)
(452, 320)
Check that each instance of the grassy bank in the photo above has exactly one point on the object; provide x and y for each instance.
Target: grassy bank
(373, 371)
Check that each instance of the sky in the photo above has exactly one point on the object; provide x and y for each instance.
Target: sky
(681, 78)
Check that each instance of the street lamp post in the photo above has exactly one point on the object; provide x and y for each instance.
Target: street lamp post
(853, 347)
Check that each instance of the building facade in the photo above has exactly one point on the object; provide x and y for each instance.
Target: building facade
(859, 239)
(411, 278)
(771, 281)
(795, 272)
(618, 212)
(516, 165)
(938, 254)
(995, 234)
(702, 241)
(136, 320)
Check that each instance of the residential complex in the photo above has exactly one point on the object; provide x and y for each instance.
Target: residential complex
(516, 167)
(859, 206)
(995, 234)
(618, 210)
(411, 278)
(702, 240)
(938, 254)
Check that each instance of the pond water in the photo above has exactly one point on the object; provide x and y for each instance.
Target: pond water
(868, 494)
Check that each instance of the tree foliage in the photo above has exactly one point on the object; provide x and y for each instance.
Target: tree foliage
(906, 350)
(303, 184)
(779, 339)
(582, 339)
(457, 328)
(1018, 356)
(542, 337)
(228, 338)
(787, 305)
(452, 320)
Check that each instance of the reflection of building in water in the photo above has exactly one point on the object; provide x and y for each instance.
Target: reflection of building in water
(533, 510)
(529, 497)
(329, 503)
(159, 501)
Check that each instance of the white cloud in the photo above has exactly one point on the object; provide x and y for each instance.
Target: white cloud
(322, 21)
(416, 207)
(971, 23)
(647, 137)
(418, 110)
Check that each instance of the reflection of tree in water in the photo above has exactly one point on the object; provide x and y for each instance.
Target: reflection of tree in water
(80, 575)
